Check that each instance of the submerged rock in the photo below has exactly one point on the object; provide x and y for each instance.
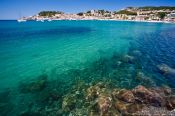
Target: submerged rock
(92, 92)
(119, 63)
(137, 53)
(128, 108)
(100, 100)
(170, 104)
(128, 59)
(104, 103)
(69, 102)
(154, 111)
(133, 108)
(163, 91)
(121, 107)
(144, 95)
(165, 69)
(145, 80)
(167, 90)
(126, 95)
(140, 76)
(34, 86)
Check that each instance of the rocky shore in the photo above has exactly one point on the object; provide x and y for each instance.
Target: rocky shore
(101, 99)
(111, 102)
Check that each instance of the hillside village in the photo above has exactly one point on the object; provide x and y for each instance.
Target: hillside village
(164, 13)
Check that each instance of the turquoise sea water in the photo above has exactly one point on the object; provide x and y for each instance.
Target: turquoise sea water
(28, 49)
(91, 50)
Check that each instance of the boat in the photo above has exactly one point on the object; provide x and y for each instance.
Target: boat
(21, 20)
(40, 20)
(49, 20)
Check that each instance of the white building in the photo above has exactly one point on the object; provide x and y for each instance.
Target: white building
(171, 17)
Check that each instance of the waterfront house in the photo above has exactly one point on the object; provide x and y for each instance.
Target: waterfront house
(171, 17)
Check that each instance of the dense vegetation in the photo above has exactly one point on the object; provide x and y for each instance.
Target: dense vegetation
(49, 13)
(161, 15)
(157, 8)
(103, 12)
(80, 14)
(126, 12)
(88, 11)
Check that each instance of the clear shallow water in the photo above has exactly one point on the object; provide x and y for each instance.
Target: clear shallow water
(91, 50)
(28, 49)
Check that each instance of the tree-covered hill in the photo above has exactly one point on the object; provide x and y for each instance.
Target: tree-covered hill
(157, 8)
(49, 13)
(125, 12)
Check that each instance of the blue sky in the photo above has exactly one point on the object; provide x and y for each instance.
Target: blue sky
(11, 9)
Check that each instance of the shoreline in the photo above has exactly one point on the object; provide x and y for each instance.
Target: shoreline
(167, 22)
